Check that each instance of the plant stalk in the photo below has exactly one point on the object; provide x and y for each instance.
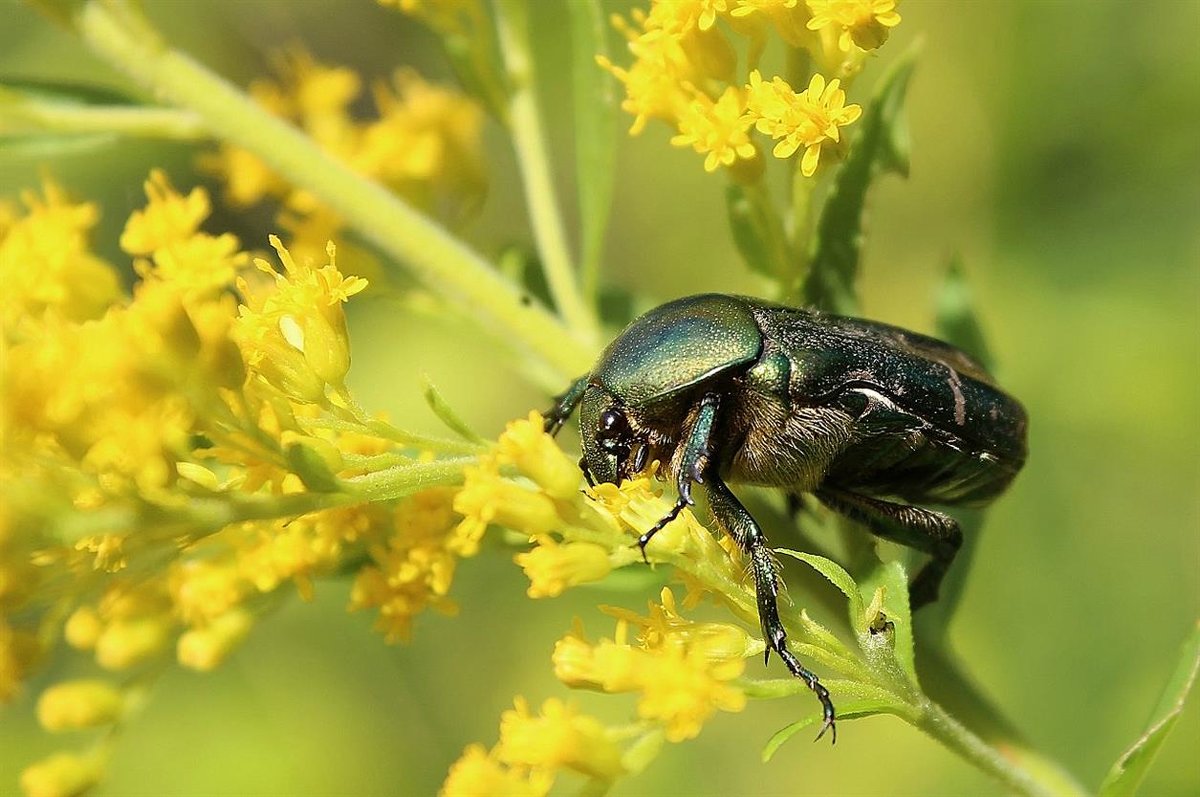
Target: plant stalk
(443, 263)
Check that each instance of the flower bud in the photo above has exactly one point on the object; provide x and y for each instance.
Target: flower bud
(73, 705)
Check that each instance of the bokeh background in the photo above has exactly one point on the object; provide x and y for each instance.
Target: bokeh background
(1056, 149)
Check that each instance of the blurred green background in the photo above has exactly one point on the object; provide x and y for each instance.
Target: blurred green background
(1056, 147)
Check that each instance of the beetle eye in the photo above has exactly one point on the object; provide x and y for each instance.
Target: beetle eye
(612, 424)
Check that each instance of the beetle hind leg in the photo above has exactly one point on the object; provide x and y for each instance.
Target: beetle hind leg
(737, 522)
(929, 532)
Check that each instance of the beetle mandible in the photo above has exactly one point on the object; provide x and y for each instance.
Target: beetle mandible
(871, 419)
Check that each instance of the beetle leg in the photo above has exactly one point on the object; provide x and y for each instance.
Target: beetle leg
(692, 461)
(738, 523)
(927, 531)
(564, 405)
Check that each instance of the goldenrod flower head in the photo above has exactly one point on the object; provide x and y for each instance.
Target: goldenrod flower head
(205, 647)
(479, 773)
(787, 17)
(610, 665)
(488, 498)
(552, 567)
(526, 445)
(83, 628)
(638, 505)
(719, 130)
(865, 23)
(169, 218)
(681, 689)
(655, 81)
(560, 738)
(680, 669)
(46, 264)
(807, 119)
(204, 589)
(425, 135)
(415, 568)
(83, 703)
(293, 333)
(61, 775)
(126, 643)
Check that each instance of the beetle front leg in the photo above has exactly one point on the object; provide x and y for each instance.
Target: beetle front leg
(564, 405)
(738, 523)
(691, 460)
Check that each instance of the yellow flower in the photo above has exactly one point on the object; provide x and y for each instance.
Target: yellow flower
(426, 136)
(488, 498)
(787, 17)
(72, 705)
(206, 647)
(526, 445)
(46, 264)
(415, 568)
(61, 775)
(128, 642)
(561, 738)
(552, 567)
(808, 119)
(203, 589)
(293, 333)
(169, 218)
(478, 774)
(865, 23)
(681, 670)
(719, 130)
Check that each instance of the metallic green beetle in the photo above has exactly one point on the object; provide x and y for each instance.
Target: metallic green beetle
(871, 419)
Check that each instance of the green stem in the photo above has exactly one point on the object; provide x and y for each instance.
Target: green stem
(512, 22)
(955, 736)
(385, 485)
(442, 262)
(24, 114)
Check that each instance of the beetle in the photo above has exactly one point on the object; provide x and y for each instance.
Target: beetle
(873, 420)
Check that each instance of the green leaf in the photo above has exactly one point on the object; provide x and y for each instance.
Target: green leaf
(837, 576)
(956, 319)
(757, 229)
(446, 414)
(1127, 774)
(854, 700)
(595, 99)
(892, 577)
(881, 145)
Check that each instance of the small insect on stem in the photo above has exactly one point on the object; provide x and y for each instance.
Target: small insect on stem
(871, 419)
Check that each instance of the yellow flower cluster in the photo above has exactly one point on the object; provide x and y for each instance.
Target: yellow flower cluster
(685, 71)
(532, 749)
(424, 142)
(683, 671)
(171, 459)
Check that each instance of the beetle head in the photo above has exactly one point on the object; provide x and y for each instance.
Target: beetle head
(613, 450)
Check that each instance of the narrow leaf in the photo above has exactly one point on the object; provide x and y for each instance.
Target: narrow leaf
(1127, 774)
(446, 414)
(757, 229)
(956, 319)
(872, 701)
(595, 100)
(837, 576)
(880, 146)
